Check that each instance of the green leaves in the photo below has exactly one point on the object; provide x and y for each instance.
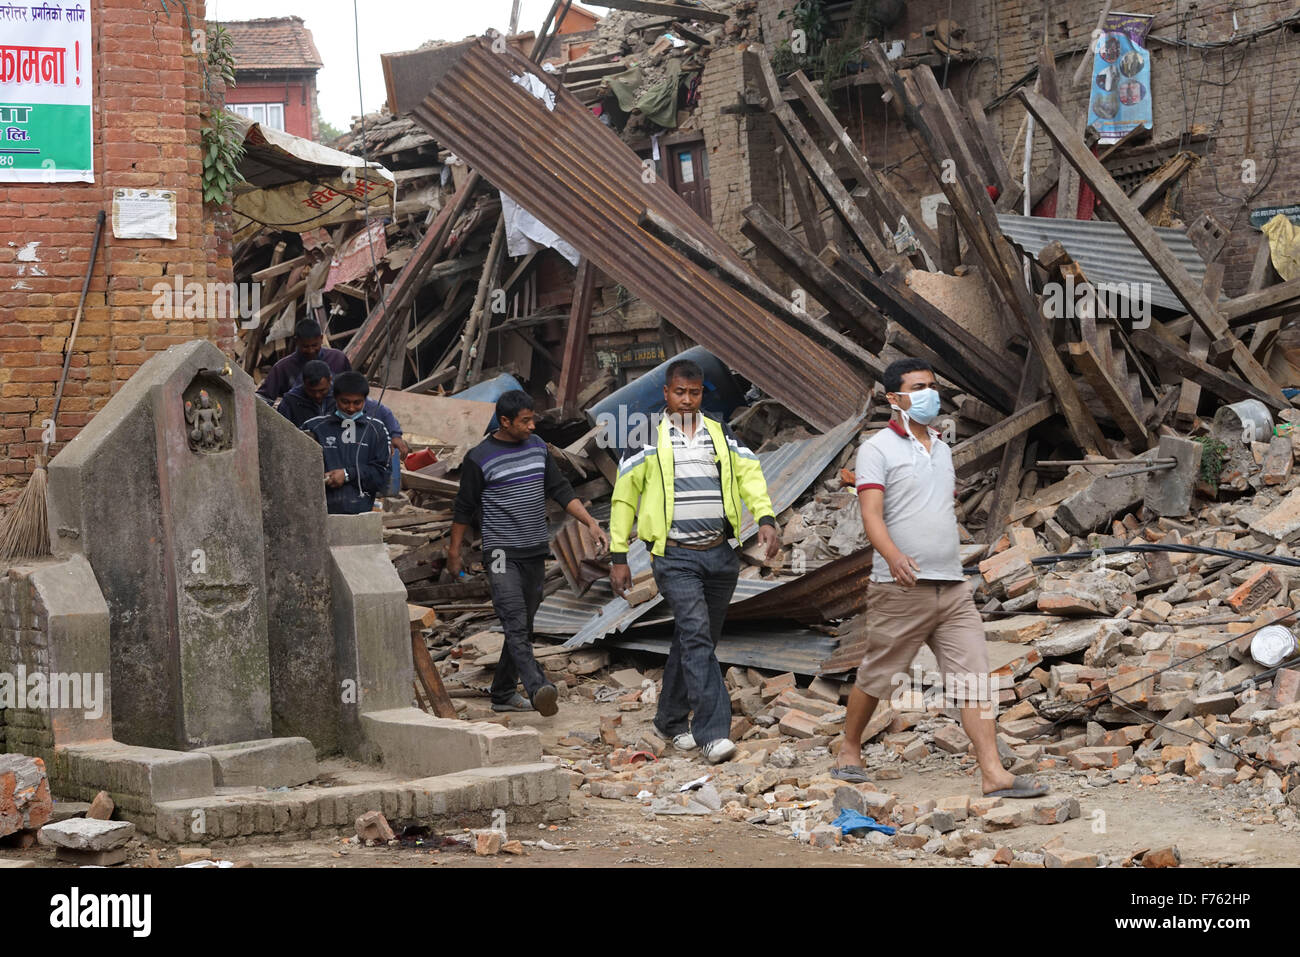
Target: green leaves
(223, 148)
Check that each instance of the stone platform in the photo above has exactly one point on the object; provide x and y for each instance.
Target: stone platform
(528, 793)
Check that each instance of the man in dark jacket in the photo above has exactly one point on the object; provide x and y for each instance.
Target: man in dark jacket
(355, 447)
(287, 373)
(312, 397)
(504, 482)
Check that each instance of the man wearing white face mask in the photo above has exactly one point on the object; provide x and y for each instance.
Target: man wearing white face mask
(918, 593)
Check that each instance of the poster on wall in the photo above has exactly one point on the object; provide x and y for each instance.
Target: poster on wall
(45, 92)
(1121, 77)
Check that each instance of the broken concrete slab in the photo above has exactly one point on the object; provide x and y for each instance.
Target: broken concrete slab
(86, 834)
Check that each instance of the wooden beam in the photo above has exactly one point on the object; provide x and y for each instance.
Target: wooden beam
(845, 304)
(669, 10)
(1175, 356)
(985, 130)
(1007, 489)
(575, 338)
(865, 234)
(1092, 368)
(886, 197)
(1248, 309)
(1155, 185)
(1261, 275)
(965, 454)
(1147, 240)
(949, 240)
(1198, 346)
(427, 673)
(478, 315)
(809, 219)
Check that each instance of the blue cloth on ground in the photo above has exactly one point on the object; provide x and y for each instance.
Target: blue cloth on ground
(850, 821)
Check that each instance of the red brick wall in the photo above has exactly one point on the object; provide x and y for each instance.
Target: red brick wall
(148, 95)
(298, 97)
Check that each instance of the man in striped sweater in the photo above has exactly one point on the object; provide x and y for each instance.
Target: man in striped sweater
(504, 484)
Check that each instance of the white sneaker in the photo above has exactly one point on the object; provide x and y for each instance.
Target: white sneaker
(715, 752)
(684, 742)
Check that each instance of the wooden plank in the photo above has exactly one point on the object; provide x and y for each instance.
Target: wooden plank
(1261, 275)
(981, 444)
(1148, 242)
(669, 10)
(984, 129)
(473, 338)
(949, 241)
(844, 303)
(864, 234)
(575, 338)
(429, 679)
(253, 341)
(1155, 185)
(884, 194)
(1247, 309)
(809, 219)
(1225, 386)
(1007, 489)
(1198, 346)
(1096, 371)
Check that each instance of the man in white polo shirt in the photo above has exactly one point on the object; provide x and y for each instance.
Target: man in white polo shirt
(918, 594)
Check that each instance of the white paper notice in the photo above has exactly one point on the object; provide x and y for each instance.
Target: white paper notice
(144, 214)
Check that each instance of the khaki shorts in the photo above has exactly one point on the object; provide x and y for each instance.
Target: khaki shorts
(940, 614)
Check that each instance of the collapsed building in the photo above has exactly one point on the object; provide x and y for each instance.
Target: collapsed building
(798, 195)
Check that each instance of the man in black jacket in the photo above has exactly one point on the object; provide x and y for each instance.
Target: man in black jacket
(312, 397)
(355, 447)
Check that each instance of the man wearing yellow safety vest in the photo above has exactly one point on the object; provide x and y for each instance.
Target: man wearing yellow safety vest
(685, 493)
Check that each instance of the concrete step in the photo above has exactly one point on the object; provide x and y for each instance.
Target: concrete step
(417, 744)
(134, 777)
(268, 763)
(528, 793)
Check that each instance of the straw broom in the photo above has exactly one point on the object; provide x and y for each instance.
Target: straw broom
(27, 534)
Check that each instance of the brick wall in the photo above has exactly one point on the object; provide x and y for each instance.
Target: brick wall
(147, 99)
(741, 167)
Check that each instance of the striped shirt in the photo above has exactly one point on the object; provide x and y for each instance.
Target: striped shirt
(506, 485)
(698, 514)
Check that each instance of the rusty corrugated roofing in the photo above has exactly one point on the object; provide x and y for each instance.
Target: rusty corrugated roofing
(577, 177)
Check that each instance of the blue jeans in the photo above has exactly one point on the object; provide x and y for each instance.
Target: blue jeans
(697, 586)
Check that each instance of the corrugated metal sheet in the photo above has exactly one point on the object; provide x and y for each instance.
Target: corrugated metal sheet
(800, 650)
(835, 591)
(788, 470)
(1105, 252)
(576, 176)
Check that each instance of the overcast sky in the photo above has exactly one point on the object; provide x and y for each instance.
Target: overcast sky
(386, 26)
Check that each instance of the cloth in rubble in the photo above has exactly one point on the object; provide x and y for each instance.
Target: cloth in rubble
(658, 103)
(851, 821)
